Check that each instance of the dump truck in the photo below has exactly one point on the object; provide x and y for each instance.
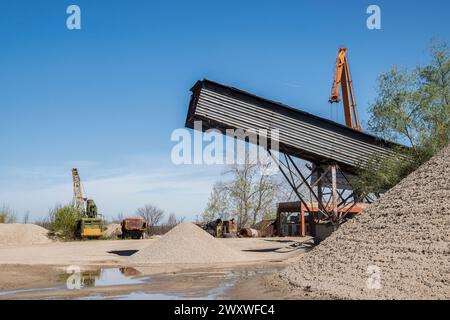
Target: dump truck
(133, 228)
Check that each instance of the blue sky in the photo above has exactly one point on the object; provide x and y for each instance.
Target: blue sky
(107, 97)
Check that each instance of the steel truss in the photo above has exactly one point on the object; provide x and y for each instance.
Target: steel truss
(333, 203)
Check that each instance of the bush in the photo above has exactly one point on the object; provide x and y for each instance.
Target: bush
(44, 223)
(7, 215)
(64, 220)
(382, 173)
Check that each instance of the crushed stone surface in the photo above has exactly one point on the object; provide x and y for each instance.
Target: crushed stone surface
(398, 248)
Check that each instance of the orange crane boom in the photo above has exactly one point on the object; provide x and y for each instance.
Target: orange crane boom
(343, 79)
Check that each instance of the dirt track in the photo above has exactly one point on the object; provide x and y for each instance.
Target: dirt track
(82, 253)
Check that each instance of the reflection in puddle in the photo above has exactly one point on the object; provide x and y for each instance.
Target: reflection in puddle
(211, 294)
(116, 277)
(91, 278)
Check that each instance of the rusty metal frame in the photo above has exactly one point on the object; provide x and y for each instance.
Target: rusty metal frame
(332, 202)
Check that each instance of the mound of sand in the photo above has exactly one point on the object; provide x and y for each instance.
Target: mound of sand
(113, 231)
(401, 242)
(187, 244)
(22, 234)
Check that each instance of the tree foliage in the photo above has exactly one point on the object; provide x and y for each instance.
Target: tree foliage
(152, 215)
(7, 215)
(217, 207)
(248, 196)
(412, 107)
(382, 173)
(173, 220)
(64, 220)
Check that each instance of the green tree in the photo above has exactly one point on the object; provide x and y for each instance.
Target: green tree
(412, 107)
(218, 204)
(434, 97)
(248, 196)
(382, 173)
(395, 114)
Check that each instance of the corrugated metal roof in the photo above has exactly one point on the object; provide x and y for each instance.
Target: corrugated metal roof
(301, 134)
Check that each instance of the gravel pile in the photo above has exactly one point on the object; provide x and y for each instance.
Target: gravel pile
(22, 234)
(187, 244)
(401, 242)
(112, 231)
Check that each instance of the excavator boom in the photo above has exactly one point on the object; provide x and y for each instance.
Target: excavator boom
(342, 79)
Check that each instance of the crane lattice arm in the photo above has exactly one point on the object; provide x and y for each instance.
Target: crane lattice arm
(343, 79)
(78, 192)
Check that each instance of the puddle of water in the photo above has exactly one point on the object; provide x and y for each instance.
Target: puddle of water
(86, 279)
(8, 292)
(130, 276)
(139, 295)
(115, 277)
(105, 277)
(211, 294)
(136, 296)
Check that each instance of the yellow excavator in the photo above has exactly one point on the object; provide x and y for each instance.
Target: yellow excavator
(90, 225)
(343, 79)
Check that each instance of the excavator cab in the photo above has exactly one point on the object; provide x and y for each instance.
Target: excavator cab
(91, 226)
(91, 208)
